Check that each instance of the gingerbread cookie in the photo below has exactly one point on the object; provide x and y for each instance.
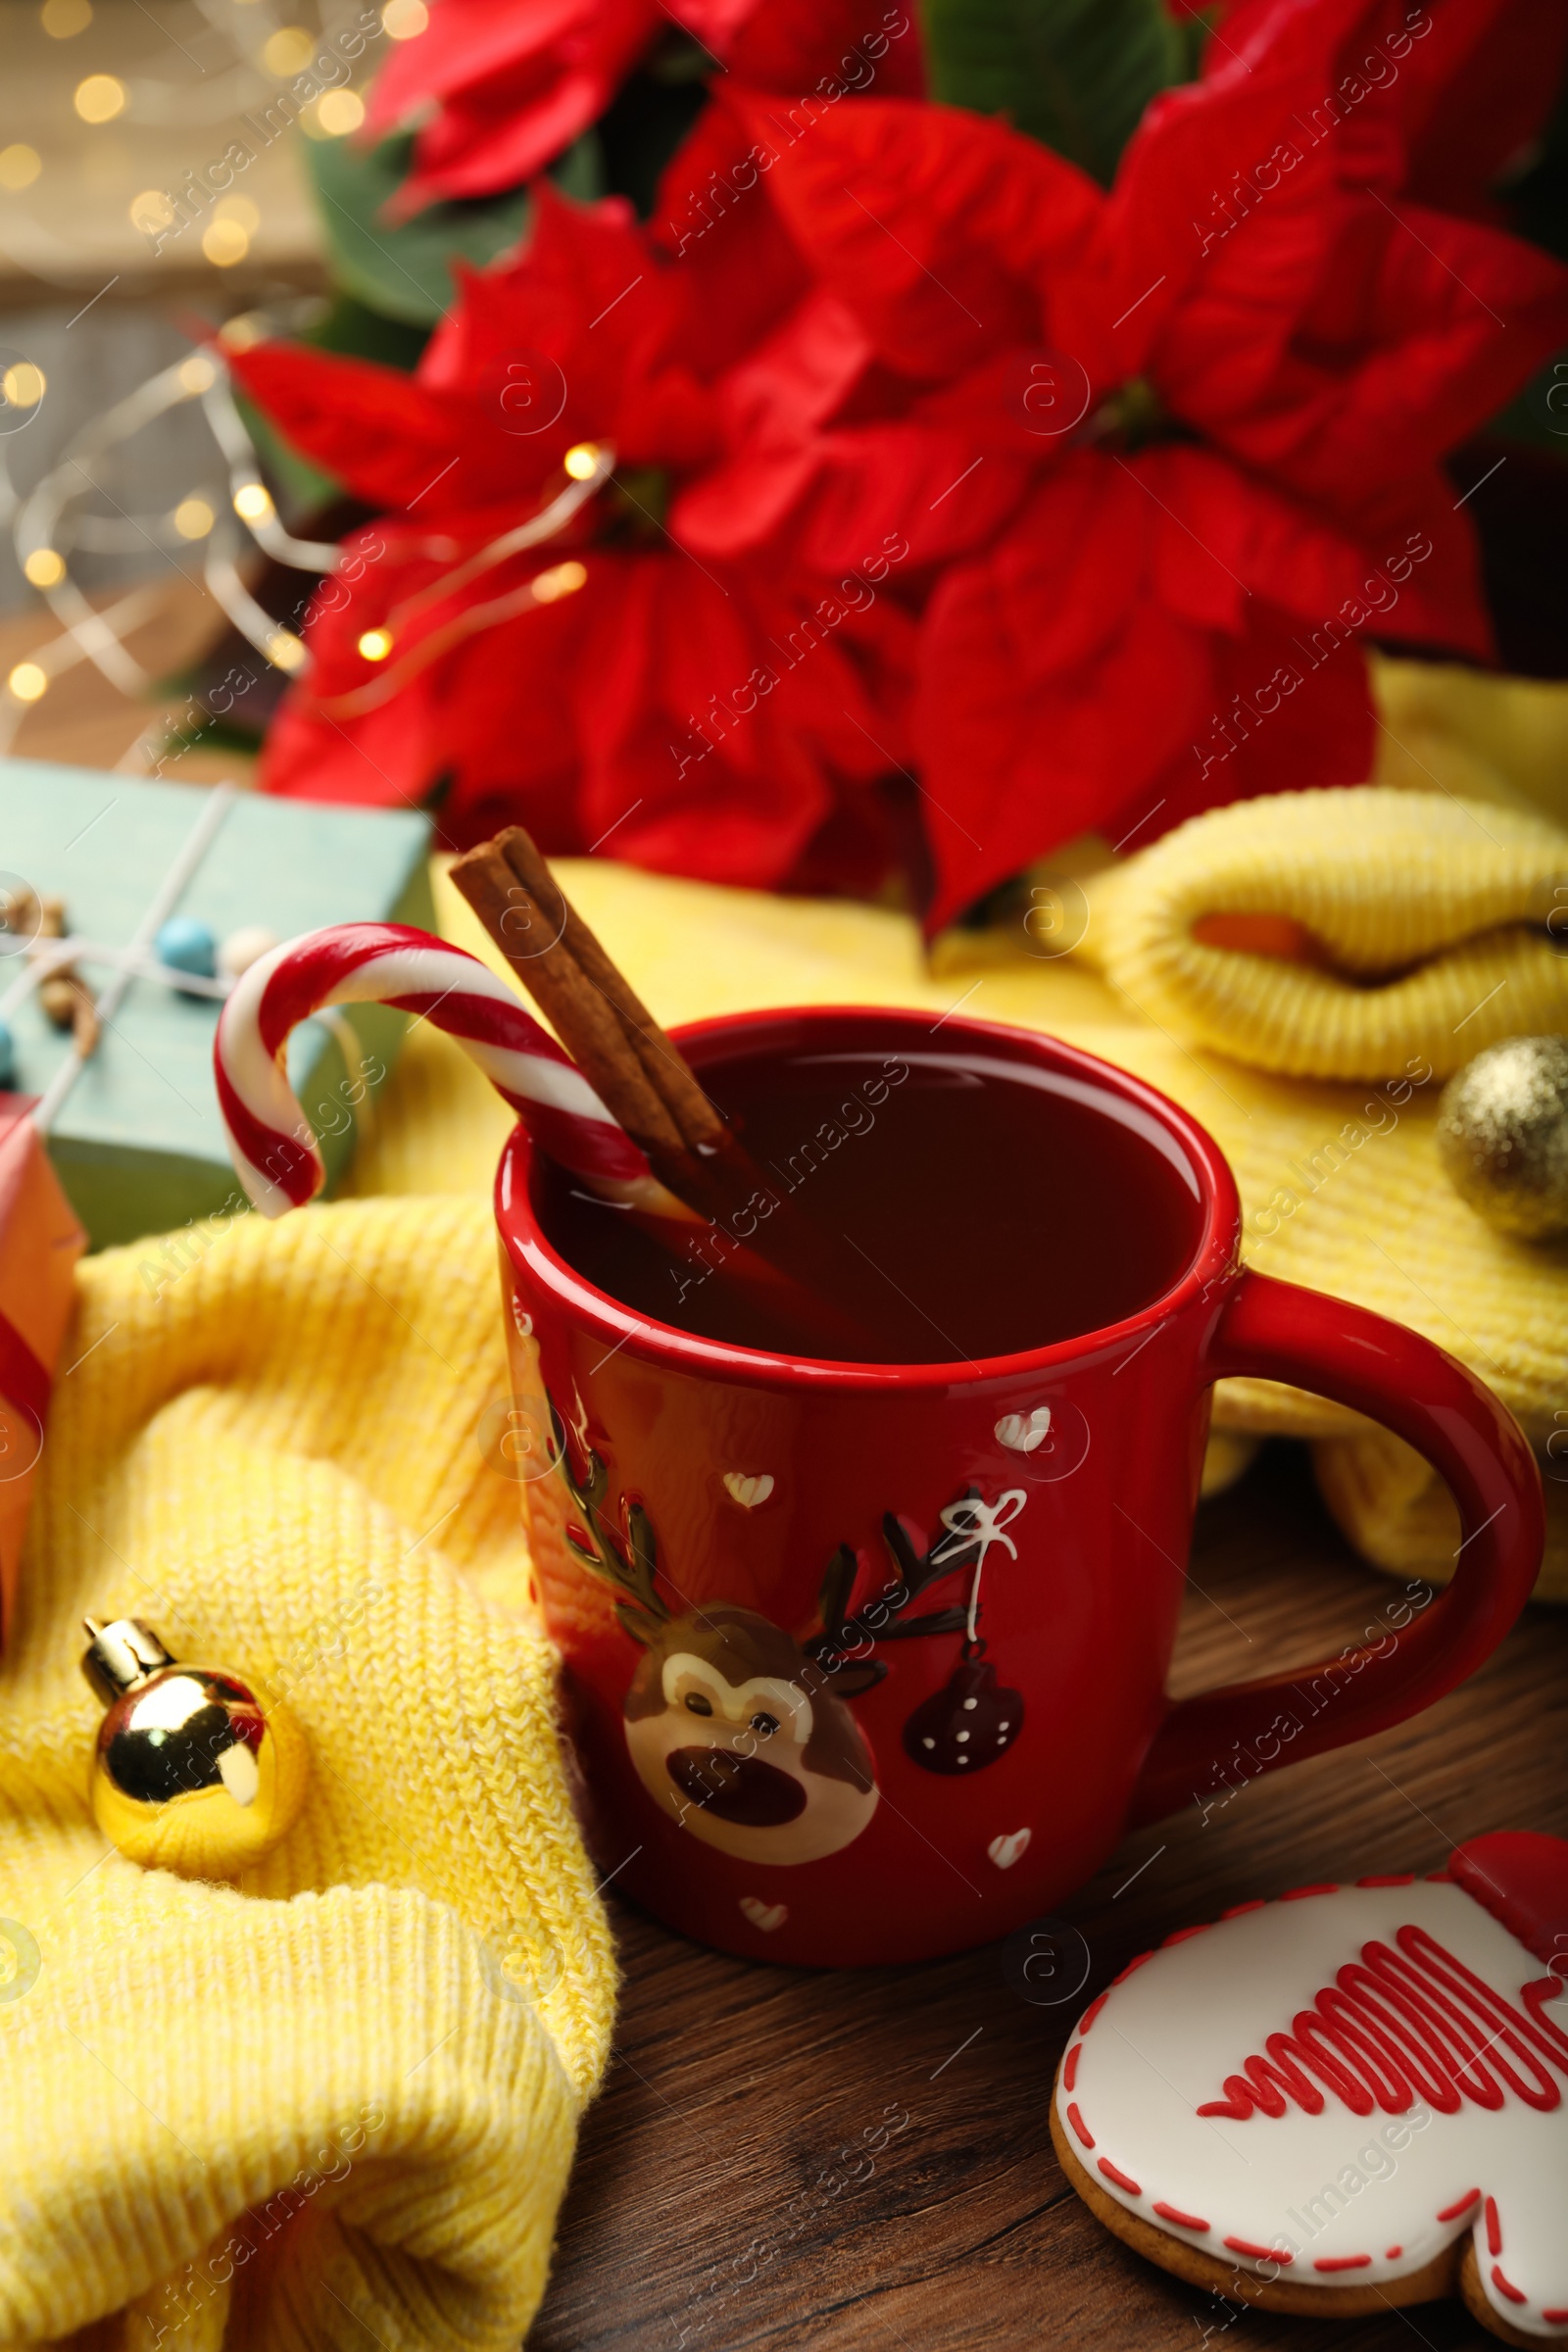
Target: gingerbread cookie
(1351, 2098)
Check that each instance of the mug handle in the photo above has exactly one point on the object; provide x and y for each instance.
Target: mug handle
(1276, 1331)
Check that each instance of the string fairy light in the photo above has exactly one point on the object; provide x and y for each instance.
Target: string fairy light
(51, 522)
(62, 653)
(546, 588)
(552, 518)
(54, 520)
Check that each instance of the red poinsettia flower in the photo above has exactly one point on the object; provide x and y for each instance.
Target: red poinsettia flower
(1473, 82)
(501, 88)
(1155, 464)
(1172, 453)
(728, 718)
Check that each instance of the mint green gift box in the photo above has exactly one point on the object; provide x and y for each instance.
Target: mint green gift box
(138, 1143)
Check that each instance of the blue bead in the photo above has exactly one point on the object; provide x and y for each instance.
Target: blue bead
(187, 946)
(8, 1059)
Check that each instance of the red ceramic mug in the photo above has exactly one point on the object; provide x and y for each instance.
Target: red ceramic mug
(766, 1574)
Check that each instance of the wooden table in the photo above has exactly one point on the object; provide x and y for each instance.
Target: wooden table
(711, 2209)
(718, 2201)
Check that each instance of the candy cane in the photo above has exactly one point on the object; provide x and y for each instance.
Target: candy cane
(271, 1141)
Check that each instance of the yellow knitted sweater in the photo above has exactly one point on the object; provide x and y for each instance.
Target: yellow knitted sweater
(1425, 928)
(333, 2105)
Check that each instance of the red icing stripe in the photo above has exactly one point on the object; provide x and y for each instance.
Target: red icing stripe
(1402, 1878)
(1069, 2071)
(1298, 1894)
(1391, 2253)
(1133, 1965)
(1080, 2127)
(1555, 2319)
(1183, 2221)
(1184, 1935)
(1452, 2213)
(1092, 2011)
(1120, 2178)
(1343, 2262)
(1505, 2286)
(1242, 2245)
(1402, 2025)
(1493, 2228)
(1235, 1910)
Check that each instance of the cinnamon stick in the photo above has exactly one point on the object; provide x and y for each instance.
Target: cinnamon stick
(646, 1083)
(702, 1128)
(535, 934)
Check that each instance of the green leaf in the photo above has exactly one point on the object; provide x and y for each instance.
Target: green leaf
(650, 118)
(1075, 75)
(580, 172)
(1537, 199)
(404, 272)
(1539, 414)
(358, 332)
(1192, 38)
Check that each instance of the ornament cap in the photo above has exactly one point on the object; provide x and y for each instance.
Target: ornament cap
(119, 1656)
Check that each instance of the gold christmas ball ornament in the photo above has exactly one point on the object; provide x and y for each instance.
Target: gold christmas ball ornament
(190, 1771)
(1502, 1136)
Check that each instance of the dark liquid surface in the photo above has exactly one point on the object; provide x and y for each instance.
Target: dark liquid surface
(962, 1212)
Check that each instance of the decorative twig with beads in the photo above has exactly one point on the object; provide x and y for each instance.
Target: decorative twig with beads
(629, 1562)
(881, 1618)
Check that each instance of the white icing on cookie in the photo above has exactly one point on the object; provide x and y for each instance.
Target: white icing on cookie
(1436, 2025)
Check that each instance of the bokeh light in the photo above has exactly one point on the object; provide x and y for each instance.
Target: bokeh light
(24, 385)
(100, 98)
(287, 51)
(402, 20)
(224, 242)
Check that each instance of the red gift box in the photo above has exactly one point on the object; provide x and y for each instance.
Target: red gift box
(40, 1242)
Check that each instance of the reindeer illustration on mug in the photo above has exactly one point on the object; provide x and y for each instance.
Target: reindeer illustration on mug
(742, 1733)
